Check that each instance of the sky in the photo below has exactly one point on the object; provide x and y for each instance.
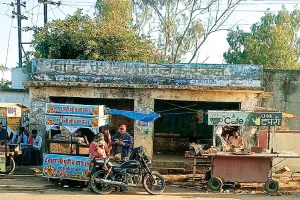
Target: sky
(246, 14)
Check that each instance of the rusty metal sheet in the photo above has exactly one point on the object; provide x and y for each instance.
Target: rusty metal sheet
(241, 169)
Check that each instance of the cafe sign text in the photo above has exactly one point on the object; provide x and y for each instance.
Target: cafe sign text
(240, 118)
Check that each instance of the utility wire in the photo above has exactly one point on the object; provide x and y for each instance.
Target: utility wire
(62, 12)
(8, 42)
(53, 13)
(37, 17)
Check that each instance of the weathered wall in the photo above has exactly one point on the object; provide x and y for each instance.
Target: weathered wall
(285, 141)
(286, 86)
(143, 101)
(143, 83)
(146, 73)
(15, 97)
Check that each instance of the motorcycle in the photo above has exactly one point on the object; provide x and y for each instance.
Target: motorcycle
(105, 177)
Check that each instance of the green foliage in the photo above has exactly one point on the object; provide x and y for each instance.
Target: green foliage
(273, 42)
(4, 84)
(103, 38)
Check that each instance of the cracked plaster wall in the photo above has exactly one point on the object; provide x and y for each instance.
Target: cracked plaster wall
(143, 101)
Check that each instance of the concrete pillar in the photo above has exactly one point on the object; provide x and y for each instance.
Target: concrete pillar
(144, 132)
(250, 102)
(37, 101)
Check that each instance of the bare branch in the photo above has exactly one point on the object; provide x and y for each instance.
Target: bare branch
(207, 57)
(184, 33)
(216, 25)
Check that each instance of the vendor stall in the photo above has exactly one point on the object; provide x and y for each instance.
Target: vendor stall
(68, 125)
(239, 165)
(68, 152)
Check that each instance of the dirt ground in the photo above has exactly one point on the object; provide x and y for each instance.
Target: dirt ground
(179, 187)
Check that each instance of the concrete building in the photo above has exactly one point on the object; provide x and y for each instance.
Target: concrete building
(179, 92)
(17, 93)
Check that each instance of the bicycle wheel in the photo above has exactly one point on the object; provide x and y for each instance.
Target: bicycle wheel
(10, 165)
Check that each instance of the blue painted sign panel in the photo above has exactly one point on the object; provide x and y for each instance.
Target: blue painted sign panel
(74, 109)
(72, 121)
(65, 166)
(225, 75)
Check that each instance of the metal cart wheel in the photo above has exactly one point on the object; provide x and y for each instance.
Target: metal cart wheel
(215, 184)
(271, 186)
(10, 165)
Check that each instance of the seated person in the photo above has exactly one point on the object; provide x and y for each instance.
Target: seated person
(82, 139)
(33, 151)
(14, 138)
(236, 141)
(3, 134)
(98, 148)
(20, 138)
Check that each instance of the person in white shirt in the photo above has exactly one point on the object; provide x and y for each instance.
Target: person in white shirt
(32, 152)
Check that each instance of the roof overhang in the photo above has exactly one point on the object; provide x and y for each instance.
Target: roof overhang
(35, 84)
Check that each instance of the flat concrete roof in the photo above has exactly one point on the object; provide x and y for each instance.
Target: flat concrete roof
(142, 86)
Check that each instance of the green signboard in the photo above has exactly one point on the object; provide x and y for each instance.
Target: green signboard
(240, 118)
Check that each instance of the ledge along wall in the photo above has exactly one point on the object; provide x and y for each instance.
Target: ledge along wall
(142, 83)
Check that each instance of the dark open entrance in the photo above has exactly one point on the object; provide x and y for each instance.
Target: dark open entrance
(120, 104)
(180, 121)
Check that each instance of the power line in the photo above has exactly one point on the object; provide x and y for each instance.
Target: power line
(62, 12)
(37, 17)
(8, 42)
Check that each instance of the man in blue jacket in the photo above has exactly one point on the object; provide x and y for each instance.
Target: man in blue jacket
(122, 143)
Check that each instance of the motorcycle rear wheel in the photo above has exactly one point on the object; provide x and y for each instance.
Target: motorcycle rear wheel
(100, 188)
(159, 184)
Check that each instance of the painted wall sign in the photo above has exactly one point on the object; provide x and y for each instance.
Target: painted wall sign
(239, 118)
(14, 111)
(66, 167)
(146, 73)
(72, 121)
(74, 109)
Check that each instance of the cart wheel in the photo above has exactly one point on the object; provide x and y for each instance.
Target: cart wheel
(271, 186)
(10, 165)
(215, 184)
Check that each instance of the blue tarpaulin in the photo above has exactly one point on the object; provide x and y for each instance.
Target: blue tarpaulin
(145, 117)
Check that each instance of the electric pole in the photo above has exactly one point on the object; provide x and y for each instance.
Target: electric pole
(45, 14)
(20, 17)
(46, 2)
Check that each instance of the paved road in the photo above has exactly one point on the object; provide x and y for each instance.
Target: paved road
(37, 188)
(54, 195)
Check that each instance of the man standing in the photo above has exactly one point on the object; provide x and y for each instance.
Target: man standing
(107, 136)
(236, 141)
(122, 143)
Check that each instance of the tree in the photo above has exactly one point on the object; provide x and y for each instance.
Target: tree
(179, 28)
(4, 84)
(105, 38)
(273, 42)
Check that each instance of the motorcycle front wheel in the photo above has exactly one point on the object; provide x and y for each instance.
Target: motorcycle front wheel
(157, 186)
(97, 186)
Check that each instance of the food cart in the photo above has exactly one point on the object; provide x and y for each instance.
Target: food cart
(244, 166)
(66, 157)
(7, 163)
